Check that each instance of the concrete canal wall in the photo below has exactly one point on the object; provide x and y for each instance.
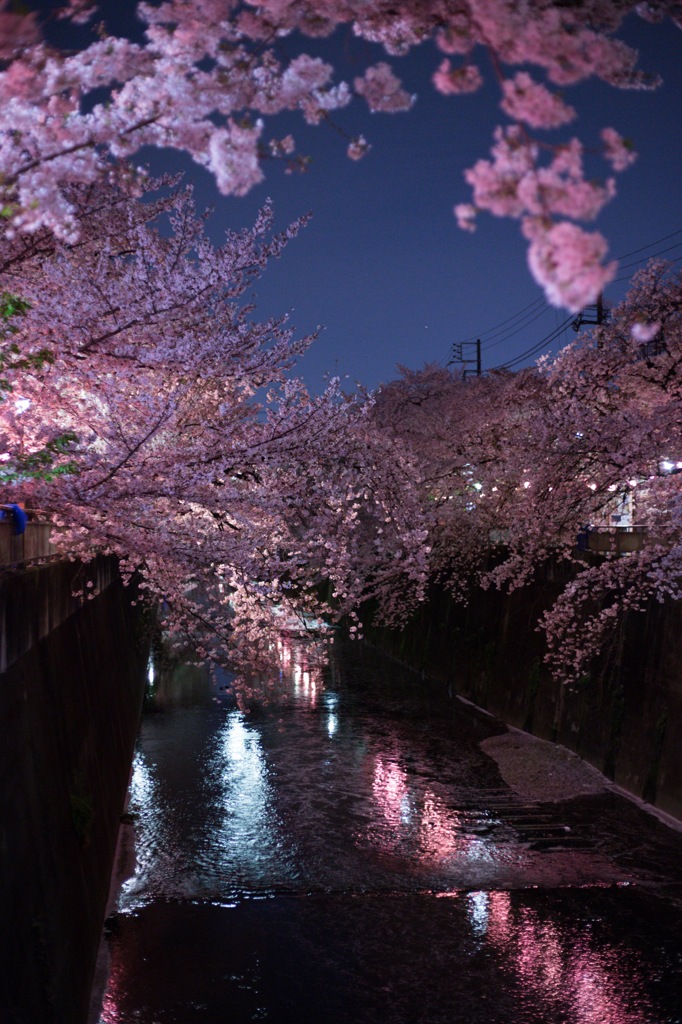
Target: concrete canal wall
(625, 718)
(70, 699)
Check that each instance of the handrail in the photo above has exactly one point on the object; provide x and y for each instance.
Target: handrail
(20, 548)
(620, 540)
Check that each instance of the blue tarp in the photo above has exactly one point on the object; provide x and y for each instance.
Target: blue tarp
(17, 515)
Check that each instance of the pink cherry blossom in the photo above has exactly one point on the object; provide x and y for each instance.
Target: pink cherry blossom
(208, 74)
(617, 150)
(518, 463)
(451, 81)
(531, 102)
(466, 216)
(496, 182)
(358, 148)
(382, 90)
(233, 158)
(645, 332)
(197, 459)
(566, 262)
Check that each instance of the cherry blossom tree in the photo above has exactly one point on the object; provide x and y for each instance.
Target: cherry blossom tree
(433, 414)
(209, 74)
(193, 455)
(512, 466)
(170, 432)
(620, 388)
(473, 441)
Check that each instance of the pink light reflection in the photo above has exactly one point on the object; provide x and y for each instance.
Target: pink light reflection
(389, 788)
(440, 833)
(419, 819)
(299, 661)
(113, 997)
(586, 984)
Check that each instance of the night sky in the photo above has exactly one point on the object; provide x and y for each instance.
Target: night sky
(382, 266)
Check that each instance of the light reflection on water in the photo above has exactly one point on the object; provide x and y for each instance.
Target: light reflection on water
(250, 834)
(422, 825)
(560, 969)
(336, 824)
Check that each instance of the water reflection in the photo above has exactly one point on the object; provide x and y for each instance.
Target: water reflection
(161, 856)
(302, 665)
(249, 837)
(411, 819)
(564, 968)
(389, 788)
(477, 912)
(304, 847)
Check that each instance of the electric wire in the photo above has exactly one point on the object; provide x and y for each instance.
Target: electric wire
(652, 256)
(494, 332)
(553, 335)
(482, 334)
(628, 276)
(633, 252)
(547, 340)
(541, 312)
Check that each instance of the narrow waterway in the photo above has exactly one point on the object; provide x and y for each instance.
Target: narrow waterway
(351, 855)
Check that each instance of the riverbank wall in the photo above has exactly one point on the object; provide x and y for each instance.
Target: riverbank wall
(71, 690)
(625, 717)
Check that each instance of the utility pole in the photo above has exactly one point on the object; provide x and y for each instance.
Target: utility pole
(458, 355)
(592, 315)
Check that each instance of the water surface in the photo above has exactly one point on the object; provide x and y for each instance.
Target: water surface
(350, 854)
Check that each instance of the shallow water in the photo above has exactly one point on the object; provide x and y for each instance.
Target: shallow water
(351, 854)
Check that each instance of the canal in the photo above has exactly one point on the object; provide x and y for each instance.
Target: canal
(352, 854)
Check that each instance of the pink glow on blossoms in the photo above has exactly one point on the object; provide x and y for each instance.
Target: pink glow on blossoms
(282, 147)
(453, 81)
(645, 332)
(466, 216)
(563, 258)
(566, 262)
(495, 182)
(583, 438)
(358, 148)
(78, 11)
(233, 158)
(154, 367)
(207, 74)
(617, 150)
(529, 101)
(16, 32)
(382, 90)
(561, 188)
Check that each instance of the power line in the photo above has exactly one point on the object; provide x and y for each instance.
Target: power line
(624, 255)
(547, 340)
(540, 300)
(520, 322)
(482, 334)
(521, 328)
(628, 276)
(652, 256)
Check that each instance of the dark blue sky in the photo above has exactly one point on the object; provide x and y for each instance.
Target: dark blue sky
(382, 265)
